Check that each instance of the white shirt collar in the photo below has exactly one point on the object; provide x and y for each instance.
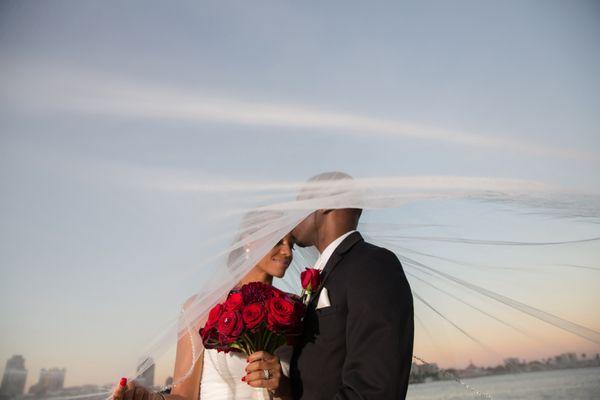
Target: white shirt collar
(326, 254)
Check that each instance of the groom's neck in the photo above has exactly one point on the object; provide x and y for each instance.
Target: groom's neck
(333, 224)
(326, 236)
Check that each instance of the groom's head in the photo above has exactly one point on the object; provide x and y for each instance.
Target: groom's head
(328, 222)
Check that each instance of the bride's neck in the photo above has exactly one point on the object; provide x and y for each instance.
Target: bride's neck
(257, 275)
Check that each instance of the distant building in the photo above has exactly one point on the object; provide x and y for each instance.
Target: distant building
(145, 372)
(423, 372)
(13, 380)
(51, 380)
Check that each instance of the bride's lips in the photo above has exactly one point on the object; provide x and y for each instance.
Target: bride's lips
(283, 261)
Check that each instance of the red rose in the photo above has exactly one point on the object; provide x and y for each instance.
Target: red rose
(235, 301)
(311, 279)
(213, 316)
(253, 314)
(209, 333)
(257, 292)
(283, 313)
(209, 336)
(230, 326)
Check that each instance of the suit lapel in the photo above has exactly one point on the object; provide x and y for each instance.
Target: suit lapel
(336, 257)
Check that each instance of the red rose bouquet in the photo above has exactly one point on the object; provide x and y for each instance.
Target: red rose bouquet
(255, 317)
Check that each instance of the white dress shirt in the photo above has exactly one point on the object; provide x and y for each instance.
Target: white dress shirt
(323, 300)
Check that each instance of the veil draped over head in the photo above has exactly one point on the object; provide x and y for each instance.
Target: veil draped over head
(469, 247)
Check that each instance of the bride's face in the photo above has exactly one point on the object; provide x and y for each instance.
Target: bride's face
(277, 261)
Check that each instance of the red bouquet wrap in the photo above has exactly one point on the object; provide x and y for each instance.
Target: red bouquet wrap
(255, 317)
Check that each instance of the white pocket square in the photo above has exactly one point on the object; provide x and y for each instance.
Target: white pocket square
(323, 299)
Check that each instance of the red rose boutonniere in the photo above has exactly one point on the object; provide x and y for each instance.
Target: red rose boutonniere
(311, 280)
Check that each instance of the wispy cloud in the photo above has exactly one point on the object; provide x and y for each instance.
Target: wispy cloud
(102, 95)
(87, 168)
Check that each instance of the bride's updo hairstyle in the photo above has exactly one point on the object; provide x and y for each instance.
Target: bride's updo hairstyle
(252, 223)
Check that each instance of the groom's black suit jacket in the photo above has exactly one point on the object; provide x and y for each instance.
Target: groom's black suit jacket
(361, 346)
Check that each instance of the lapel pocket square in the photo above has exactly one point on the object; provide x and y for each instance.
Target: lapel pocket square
(323, 301)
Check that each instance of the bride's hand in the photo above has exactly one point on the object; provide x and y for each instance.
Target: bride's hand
(132, 391)
(255, 371)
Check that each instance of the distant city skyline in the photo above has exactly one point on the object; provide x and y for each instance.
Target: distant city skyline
(52, 379)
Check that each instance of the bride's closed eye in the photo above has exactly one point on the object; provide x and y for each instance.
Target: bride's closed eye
(290, 242)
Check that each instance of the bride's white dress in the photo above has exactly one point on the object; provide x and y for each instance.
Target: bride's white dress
(222, 375)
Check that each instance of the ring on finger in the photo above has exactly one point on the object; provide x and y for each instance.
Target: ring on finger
(267, 374)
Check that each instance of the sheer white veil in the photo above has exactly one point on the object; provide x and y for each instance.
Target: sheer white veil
(451, 268)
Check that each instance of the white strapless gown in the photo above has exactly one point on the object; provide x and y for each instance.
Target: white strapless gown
(222, 375)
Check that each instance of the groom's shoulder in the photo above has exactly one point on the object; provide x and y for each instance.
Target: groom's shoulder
(375, 253)
(368, 259)
(379, 267)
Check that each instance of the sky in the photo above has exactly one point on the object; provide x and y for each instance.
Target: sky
(106, 107)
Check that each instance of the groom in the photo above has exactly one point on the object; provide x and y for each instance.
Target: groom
(358, 333)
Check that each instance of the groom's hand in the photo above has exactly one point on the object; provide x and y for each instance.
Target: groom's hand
(260, 362)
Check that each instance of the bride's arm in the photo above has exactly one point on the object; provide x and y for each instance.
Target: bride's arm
(189, 388)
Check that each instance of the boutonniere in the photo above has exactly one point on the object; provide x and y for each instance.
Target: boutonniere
(311, 280)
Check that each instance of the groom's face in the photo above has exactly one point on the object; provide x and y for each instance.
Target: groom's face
(304, 232)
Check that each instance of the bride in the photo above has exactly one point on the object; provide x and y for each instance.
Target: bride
(218, 375)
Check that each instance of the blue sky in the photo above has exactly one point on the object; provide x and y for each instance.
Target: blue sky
(99, 98)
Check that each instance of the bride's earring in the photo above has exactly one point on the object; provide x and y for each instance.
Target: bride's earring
(246, 253)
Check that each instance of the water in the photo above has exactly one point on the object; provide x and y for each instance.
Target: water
(569, 384)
